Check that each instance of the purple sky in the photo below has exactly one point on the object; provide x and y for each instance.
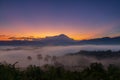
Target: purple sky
(79, 19)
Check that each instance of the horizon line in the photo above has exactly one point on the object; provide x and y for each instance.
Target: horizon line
(33, 38)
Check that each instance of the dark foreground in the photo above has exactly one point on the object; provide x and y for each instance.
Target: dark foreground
(95, 71)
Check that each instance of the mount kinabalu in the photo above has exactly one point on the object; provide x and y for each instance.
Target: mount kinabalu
(58, 40)
(63, 40)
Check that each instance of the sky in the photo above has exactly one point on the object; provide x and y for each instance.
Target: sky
(79, 19)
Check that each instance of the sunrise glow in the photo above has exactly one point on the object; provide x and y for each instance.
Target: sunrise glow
(78, 21)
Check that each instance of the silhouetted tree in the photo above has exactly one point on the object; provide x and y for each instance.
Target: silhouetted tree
(47, 58)
(29, 58)
(39, 57)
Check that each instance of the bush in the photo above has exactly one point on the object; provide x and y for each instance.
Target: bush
(95, 71)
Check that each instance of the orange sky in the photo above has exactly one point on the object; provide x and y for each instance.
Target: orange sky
(77, 19)
(23, 30)
(42, 30)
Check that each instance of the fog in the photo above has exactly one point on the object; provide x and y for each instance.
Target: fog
(80, 61)
(29, 55)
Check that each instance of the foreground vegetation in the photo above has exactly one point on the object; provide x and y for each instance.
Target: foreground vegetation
(95, 71)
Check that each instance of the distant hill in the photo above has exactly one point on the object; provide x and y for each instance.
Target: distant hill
(99, 54)
(104, 40)
(62, 40)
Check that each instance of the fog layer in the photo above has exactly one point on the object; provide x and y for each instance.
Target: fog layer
(25, 55)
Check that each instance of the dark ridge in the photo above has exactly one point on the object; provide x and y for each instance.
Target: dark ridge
(62, 39)
(99, 54)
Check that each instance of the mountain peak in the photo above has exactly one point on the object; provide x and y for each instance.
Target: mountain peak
(58, 38)
(63, 35)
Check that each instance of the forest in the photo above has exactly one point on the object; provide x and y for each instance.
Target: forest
(96, 71)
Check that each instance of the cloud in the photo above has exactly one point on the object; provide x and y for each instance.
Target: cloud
(3, 36)
(24, 38)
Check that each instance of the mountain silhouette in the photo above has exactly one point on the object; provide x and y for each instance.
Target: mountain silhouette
(104, 40)
(57, 40)
(62, 39)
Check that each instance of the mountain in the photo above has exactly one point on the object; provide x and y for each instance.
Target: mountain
(51, 40)
(101, 41)
(62, 40)
(60, 37)
(57, 40)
